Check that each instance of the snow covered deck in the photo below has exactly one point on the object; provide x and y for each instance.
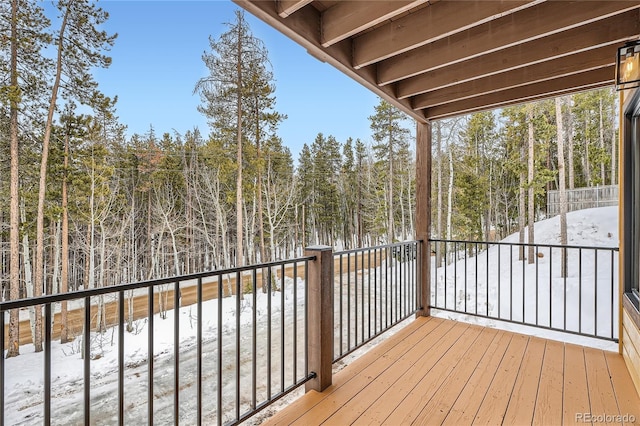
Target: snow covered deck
(437, 371)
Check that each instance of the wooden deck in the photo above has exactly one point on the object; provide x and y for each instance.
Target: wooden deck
(438, 371)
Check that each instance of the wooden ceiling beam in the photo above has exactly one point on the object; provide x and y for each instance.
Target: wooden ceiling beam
(567, 65)
(526, 25)
(613, 30)
(287, 7)
(347, 18)
(427, 25)
(574, 83)
(303, 27)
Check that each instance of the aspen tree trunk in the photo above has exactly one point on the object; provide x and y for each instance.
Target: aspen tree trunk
(587, 164)
(390, 230)
(614, 142)
(28, 277)
(522, 207)
(13, 348)
(450, 194)
(263, 254)
(531, 199)
(602, 167)
(64, 269)
(570, 147)
(360, 201)
(562, 192)
(42, 186)
(438, 125)
(239, 225)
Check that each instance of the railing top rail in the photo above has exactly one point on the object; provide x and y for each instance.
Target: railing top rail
(79, 294)
(504, 243)
(360, 250)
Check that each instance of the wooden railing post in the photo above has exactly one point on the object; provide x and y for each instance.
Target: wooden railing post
(320, 311)
(423, 214)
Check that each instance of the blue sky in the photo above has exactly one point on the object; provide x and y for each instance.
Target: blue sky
(157, 61)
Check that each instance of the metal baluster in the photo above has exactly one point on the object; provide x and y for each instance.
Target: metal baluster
(369, 287)
(537, 289)
(121, 357)
(254, 337)
(219, 390)
(86, 343)
(269, 309)
(238, 313)
(176, 352)
(612, 291)
(340, 286)
(47, 363)
(595, 296)
(2, 373)
(295, 323)
(550, 286)
(282, 334)
(455, 276)
(465, 277)
(580, 290)
(499, 281)
(511, 283)
(199, 351)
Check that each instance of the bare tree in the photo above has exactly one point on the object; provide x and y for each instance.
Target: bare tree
(562, 190)
(530, 183)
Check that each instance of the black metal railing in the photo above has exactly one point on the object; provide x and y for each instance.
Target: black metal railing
(375, 289)
(215, 361)
(529, 284)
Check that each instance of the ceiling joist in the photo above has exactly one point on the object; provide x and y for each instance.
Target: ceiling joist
(347, 18)
(543, 71)
(528, 24)
(440, 58)
(607, 32)
(574, 83)
(287, 7)
(428, 25)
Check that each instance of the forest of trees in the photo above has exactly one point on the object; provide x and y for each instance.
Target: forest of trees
(83, 205)
(491, 170)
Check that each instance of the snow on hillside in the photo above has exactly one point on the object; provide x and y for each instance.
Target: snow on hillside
(510, 289)
(590, 227)
(24, 384)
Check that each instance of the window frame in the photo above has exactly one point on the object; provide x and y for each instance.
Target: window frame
(631, 199)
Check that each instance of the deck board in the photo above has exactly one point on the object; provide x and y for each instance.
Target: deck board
(465, 407)
(576, 389)
(548, 409)
(438, 408)
(439, 371)
(522, 405)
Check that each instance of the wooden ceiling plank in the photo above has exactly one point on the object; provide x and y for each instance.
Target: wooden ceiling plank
(526, 25)
(427, 25)
(614, 30)
(347, 18)
(303, 27)
(600, 77)
(567, 65)
(287, 7)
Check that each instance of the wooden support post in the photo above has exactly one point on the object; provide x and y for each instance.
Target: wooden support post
(320, 309)
(423, 214)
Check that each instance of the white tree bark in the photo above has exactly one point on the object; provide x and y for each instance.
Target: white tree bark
(530, 177)
(562, 190)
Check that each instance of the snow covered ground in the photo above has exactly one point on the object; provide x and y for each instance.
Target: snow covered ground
(23, 381)
(585, 301)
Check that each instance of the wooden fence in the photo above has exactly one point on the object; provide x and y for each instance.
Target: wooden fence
(583, 198)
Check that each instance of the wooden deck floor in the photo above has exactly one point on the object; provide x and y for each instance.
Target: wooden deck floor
(437, 371)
